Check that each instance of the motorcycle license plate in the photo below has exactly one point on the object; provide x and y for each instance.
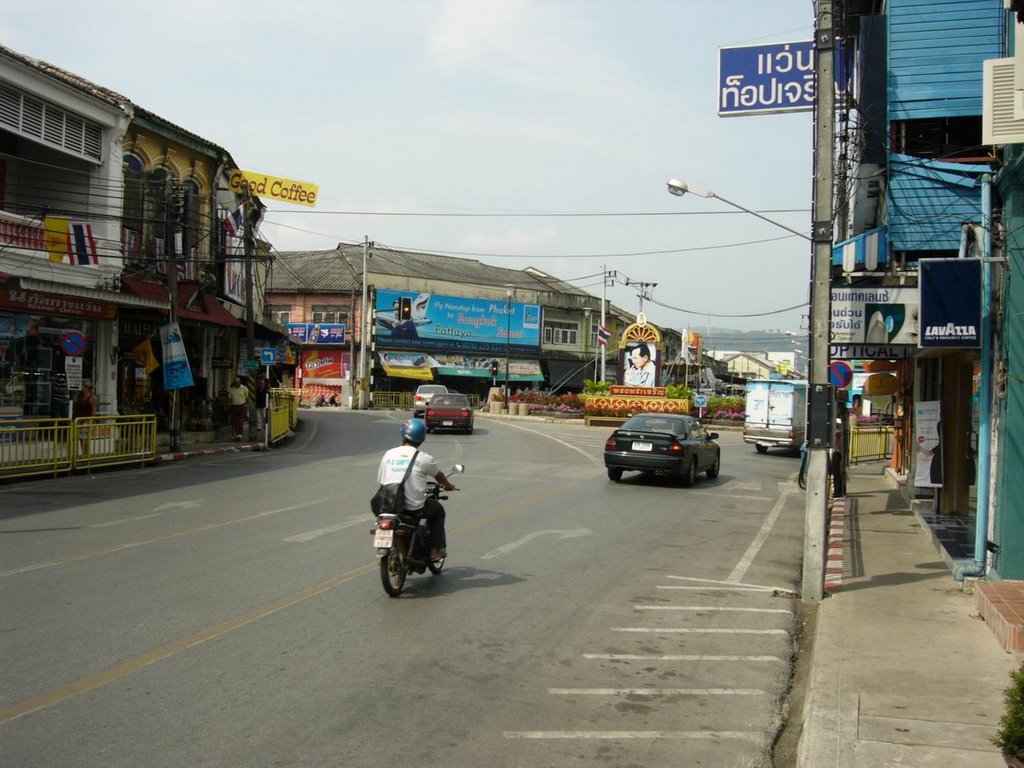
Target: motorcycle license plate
(383, 539)
(641, 445)
(447, 423)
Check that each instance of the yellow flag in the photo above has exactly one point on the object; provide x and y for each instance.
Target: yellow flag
(55, 234)
(143, 354)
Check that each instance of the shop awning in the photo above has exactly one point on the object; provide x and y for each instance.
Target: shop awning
(204, 308)
(97, 294)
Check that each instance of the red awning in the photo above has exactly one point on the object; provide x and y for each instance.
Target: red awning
(205, 308)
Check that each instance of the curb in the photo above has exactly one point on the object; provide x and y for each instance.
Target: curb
(179, 455)
(835, 547)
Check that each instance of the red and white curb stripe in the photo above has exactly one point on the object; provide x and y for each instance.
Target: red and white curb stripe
(207, 452)
(834, 561)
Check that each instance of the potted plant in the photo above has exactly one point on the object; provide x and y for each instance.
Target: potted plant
(497, 402)
(1010, 737)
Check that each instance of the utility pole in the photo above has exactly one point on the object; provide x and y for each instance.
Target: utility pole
(604, 321)
(250, 328)
(171, 263)
(364, 318)
(820, 427)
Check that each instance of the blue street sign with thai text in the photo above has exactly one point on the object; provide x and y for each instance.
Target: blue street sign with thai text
(763, 79)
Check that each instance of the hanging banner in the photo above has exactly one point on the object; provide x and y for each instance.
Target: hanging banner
(875, 315)
(177, 373)
(928, 444)
(299, 192)
(950, 302)
(324, 363)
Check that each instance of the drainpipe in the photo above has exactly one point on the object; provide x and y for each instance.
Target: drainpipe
(965, 230)
(985, 416)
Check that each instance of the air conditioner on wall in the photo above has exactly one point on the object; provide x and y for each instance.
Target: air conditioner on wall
(999, 121)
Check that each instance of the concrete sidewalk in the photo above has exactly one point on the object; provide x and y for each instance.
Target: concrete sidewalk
(903, 670)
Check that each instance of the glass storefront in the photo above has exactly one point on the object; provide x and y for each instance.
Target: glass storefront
(43, 361)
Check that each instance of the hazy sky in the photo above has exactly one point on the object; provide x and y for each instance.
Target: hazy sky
(492, 108)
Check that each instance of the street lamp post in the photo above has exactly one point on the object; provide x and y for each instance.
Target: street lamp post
(817, 446)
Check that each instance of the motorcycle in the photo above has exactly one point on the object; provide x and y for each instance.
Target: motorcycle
(402, 543)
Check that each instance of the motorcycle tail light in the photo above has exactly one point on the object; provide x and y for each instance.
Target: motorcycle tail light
(384, 525)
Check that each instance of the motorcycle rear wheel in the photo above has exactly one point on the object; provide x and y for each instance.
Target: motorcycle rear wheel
(393, 570)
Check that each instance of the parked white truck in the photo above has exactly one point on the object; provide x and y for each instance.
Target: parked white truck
(776, 414)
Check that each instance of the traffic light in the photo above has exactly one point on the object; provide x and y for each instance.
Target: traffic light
(494, 367)
(405, 309)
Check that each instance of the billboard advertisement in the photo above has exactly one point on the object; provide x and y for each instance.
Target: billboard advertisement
(875, 315)
(430, 321)
(766, 78)
(317, 333)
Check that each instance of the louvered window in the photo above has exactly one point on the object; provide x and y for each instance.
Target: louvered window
(49, 123)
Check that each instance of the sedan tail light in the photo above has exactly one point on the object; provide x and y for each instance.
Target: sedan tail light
(609, 444)
(465, 413)
(675, 447)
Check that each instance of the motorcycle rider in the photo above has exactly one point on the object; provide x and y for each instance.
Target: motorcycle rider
(392, 468)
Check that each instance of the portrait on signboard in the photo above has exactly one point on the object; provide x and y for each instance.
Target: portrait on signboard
(639, 366)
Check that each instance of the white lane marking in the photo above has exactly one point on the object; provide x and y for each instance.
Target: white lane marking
(675, 657)
(707, 608)
(710, 588)
(656, 691)
(125, 520)
(301, 538)
(755, 546)
(570, 446)
(730, 585)
(700, 631)
(570, 534)
(627, 735)
(191, 504)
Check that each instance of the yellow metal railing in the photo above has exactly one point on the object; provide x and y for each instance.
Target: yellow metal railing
(404, 400)
(106, 441)
(283, 413)
(35, 447)
(870, 443)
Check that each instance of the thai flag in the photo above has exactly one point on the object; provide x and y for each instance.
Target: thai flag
(82, 245)
(603, 335)
(233, 221)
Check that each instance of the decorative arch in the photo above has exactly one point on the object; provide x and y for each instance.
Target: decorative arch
(640, 332)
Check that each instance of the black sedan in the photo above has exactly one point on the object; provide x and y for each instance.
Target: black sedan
(662, 443)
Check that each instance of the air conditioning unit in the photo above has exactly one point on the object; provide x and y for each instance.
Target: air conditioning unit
(999, 121)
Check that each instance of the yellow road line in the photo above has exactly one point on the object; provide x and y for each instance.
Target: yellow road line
(131, 666)
(166, 537)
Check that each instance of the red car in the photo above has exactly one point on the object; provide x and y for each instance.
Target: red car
(449, 411)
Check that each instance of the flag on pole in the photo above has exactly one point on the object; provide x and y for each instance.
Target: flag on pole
(603, 335)
(82, 245)
(55, 234)
(233, 221)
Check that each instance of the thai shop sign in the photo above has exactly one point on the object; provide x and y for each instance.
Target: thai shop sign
(874, 315)
(456, 324)
(764, 79)
(950, 302)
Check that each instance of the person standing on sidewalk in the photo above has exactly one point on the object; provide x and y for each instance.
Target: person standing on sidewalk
(85, 407)
(262, 395)
(239, 395)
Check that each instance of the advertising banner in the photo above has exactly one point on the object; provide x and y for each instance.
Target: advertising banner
(928, 444)
(456, 324)
(234, 272)
(288, 190)
(875, 315)
(177, 373)
(950, 302)
(317, 333)
(323, 363)
(766, 78)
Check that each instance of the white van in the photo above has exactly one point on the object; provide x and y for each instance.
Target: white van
(776, 414)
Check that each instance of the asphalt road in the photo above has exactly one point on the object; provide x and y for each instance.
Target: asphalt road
(228, 611)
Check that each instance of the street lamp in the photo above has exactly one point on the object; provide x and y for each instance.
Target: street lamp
(680, 188)
(817, 443)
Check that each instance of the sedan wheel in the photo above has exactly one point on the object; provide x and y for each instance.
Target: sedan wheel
(713, 470)
(614, 474)
(690, 476)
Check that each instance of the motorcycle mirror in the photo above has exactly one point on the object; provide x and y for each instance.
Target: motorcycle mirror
(459, 468)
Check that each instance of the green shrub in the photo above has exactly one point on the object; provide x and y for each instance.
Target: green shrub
(1010, 738)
